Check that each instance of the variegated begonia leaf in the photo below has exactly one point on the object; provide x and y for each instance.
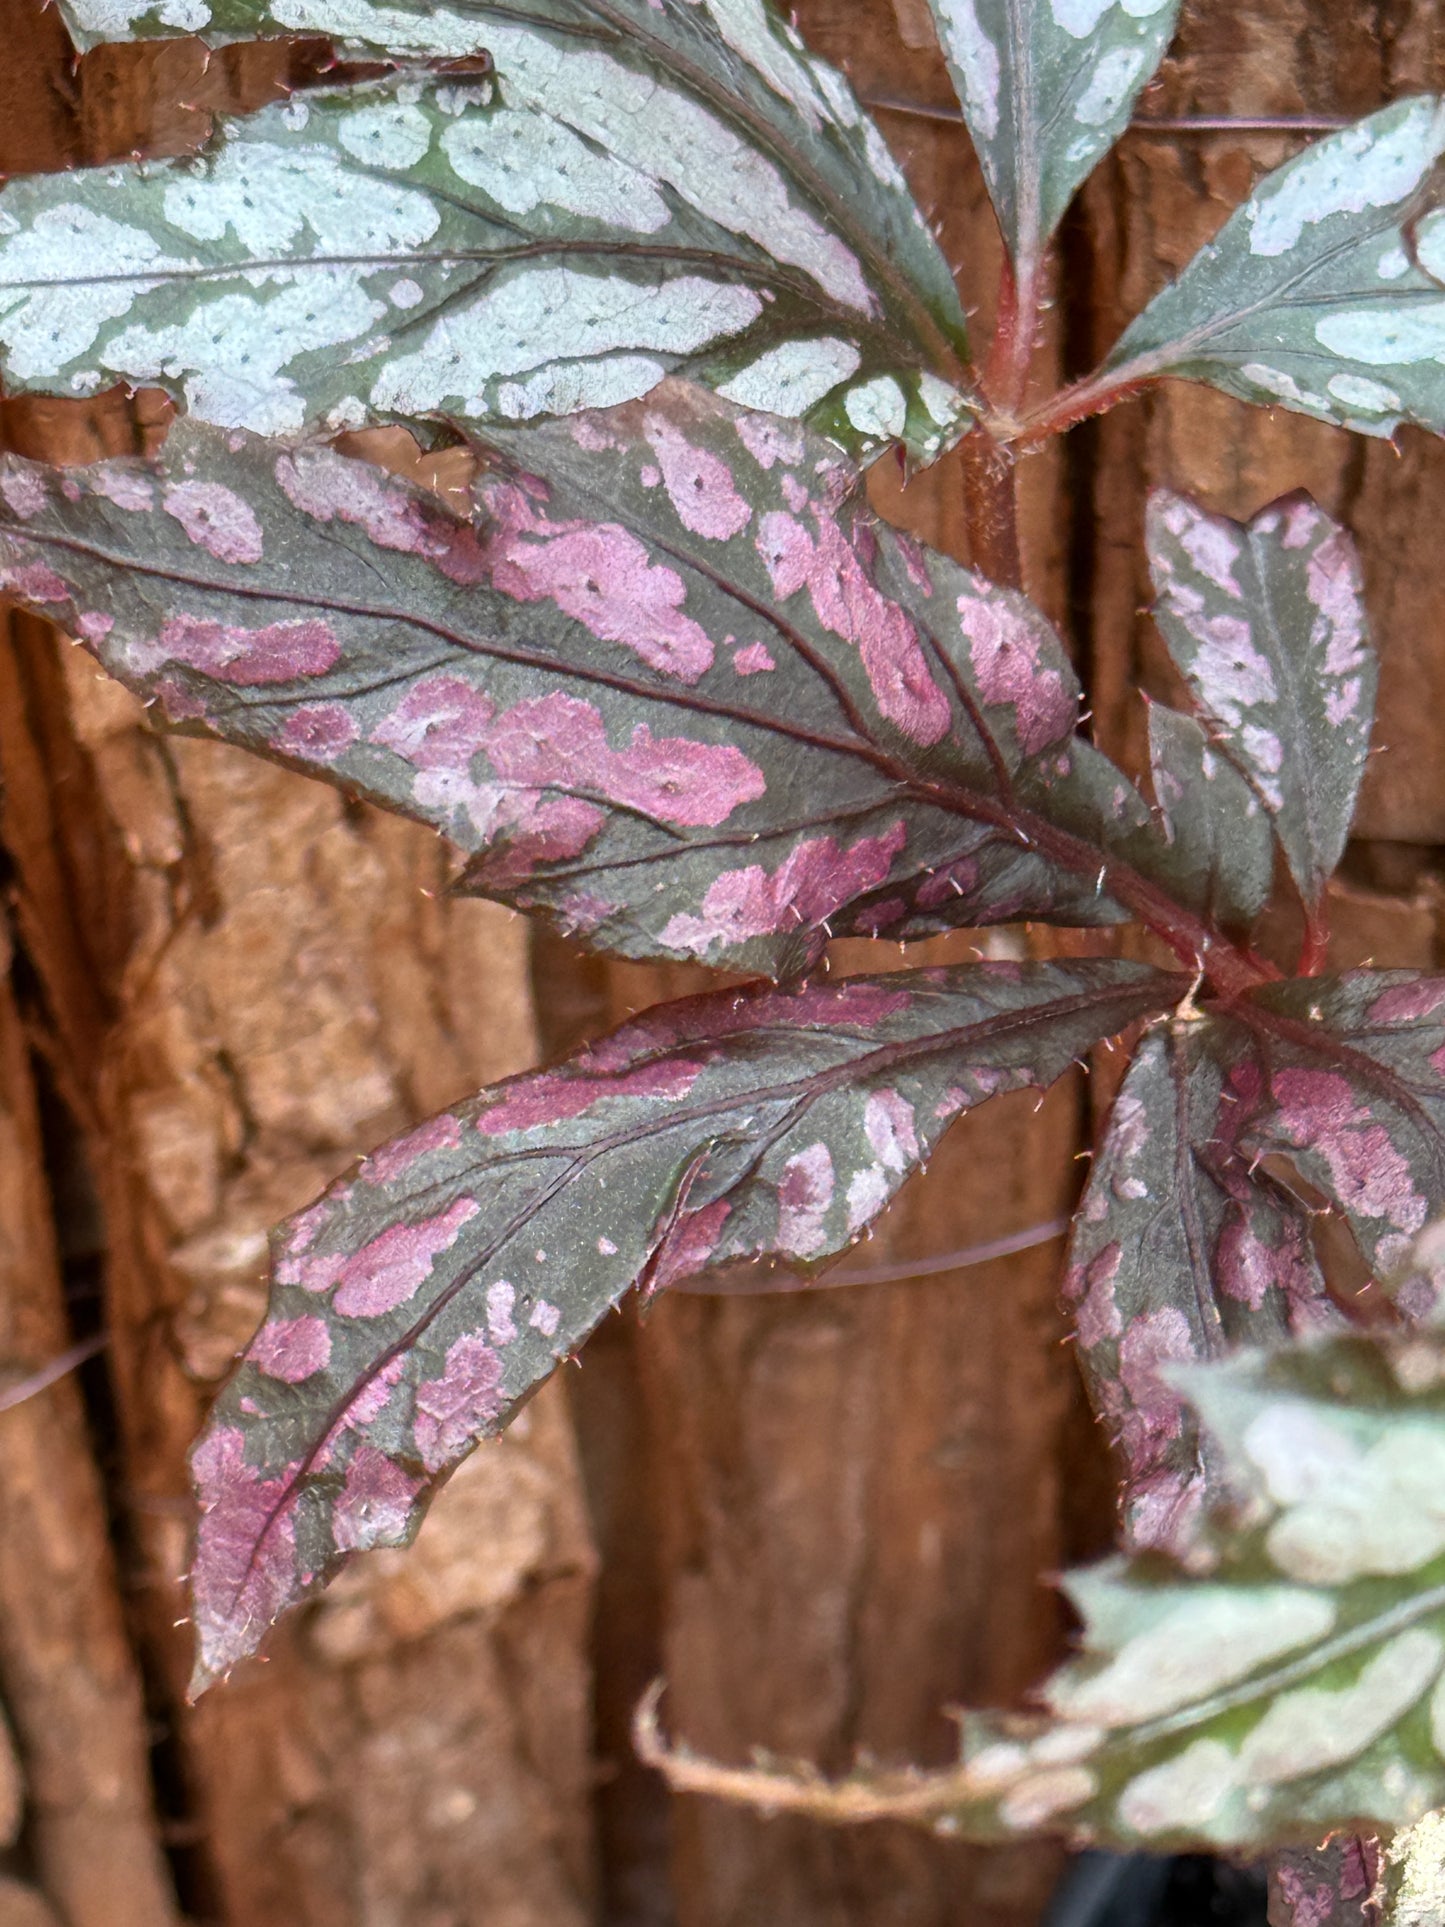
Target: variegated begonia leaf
(1310, 297)
(1286, 1683)
(1218, 828)
(1180, 1250)
(675, 684)
(617, 201)
(426, 1295)
(1047, 87)
(1266, 622)
(1346, 1084)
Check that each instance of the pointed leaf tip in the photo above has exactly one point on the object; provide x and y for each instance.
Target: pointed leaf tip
(1313, 296)
(1266, 622)
(1047, 87)
(425, 1296)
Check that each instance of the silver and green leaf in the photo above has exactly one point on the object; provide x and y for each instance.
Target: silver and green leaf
(1312, 297)
(631, 191)
(1047, 87)
(1266, 622)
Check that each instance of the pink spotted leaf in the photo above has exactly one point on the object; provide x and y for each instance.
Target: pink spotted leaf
(1266, 622)
(673, 683)
(429, 1292)
(1182, 1249)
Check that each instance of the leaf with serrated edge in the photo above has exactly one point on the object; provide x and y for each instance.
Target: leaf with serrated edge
(1289, 1685)
(1047, 87)
(1309, 298)
(676, 685)
(1266, 622)
(508, 246)
(1347, 1085)
(426, 1295)
(1218, 827)
(1179, 1250)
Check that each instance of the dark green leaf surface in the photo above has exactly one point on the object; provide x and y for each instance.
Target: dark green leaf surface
(1310, 298)
(1047, 87)
(676, 685)
(425, 1296)
(1217, 826)
(631, 193)
(1266, 622)
(1180, 1250)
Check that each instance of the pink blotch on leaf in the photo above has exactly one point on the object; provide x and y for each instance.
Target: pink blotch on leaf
(216, 519)
(560, 742)
(1155, 1338)
(554, 1097)
(392, 1268)
(1407, 1003)
(769, 441)
(24, 490)
(123, 484)
(375, 1504)
(245, 1567)
(330, 487)
(454, 1410)
(699, 484)
(889, 1127)
(813, 880)
(754, 660)
(33, 582)
(318, 733)
(805, 1194)
(851, 607)
(1005, 647)
(1091, 1287)
(599, 574)
(395, 1159)
(1368, 1174)
(276, 653)
(954, 880)
(688, 1247)
(291, 1349)
(94, 625)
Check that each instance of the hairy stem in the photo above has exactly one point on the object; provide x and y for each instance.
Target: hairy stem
(990, 509)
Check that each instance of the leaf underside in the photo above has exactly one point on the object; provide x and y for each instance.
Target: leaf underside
(424, 1297)
(1266, 622)
(1311, 297)
(633, 191)
(674, 684)
(1047, 87)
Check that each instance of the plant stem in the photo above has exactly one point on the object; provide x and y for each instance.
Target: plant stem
(1092, 396)
(989, 506)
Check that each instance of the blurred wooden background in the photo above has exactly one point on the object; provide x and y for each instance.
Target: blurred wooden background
(823, 1516)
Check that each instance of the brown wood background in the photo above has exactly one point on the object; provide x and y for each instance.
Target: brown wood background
(825, 1517)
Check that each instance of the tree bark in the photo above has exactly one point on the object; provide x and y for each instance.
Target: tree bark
(823, 1515)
